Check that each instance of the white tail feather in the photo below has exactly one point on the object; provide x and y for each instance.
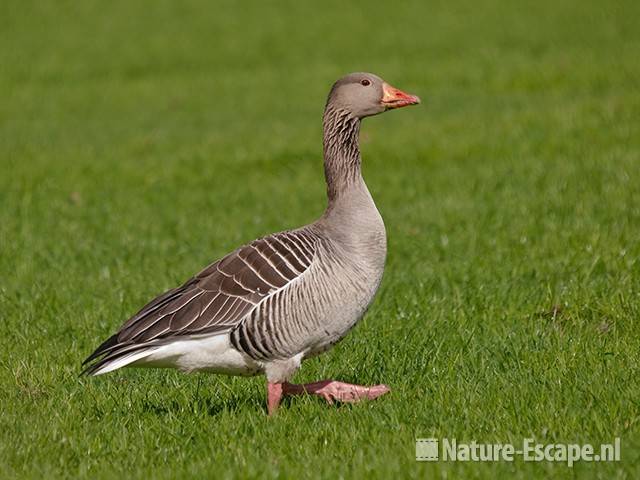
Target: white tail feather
(123, 361)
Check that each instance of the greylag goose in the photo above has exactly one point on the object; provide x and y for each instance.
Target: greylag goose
(286, 297)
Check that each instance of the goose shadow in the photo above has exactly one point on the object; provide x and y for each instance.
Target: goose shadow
(208, 405)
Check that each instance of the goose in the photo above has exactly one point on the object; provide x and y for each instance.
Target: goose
(285, 297)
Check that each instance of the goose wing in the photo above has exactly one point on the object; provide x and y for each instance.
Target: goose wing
(217, 299)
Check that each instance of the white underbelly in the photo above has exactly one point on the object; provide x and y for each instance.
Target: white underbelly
(203, 354)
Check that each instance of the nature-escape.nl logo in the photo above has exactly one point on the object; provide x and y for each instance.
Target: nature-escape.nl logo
(432, 450)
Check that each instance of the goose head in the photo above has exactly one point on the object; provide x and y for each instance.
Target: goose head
(365, 94)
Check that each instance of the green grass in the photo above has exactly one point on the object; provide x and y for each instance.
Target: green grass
(140, 142)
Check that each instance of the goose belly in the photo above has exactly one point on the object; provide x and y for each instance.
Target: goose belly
(211, 353)
(352, 301)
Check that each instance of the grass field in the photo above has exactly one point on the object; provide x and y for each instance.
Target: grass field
(141, 140)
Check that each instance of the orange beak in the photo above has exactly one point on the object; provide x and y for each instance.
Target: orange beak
(394, 98)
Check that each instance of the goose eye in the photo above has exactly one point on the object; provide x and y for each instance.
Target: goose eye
(365, 82)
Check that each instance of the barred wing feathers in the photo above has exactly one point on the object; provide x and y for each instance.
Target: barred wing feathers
(217, 299)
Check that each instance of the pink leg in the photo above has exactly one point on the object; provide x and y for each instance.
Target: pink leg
(274, 395)
(332, 390)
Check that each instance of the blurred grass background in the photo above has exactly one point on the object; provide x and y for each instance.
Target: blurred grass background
(141, 140)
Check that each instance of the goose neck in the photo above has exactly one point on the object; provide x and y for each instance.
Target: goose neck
(341, 151)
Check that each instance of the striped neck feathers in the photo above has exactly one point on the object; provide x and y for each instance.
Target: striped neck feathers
(341, 150)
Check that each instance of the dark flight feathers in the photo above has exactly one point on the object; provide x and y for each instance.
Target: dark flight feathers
(217, 299)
